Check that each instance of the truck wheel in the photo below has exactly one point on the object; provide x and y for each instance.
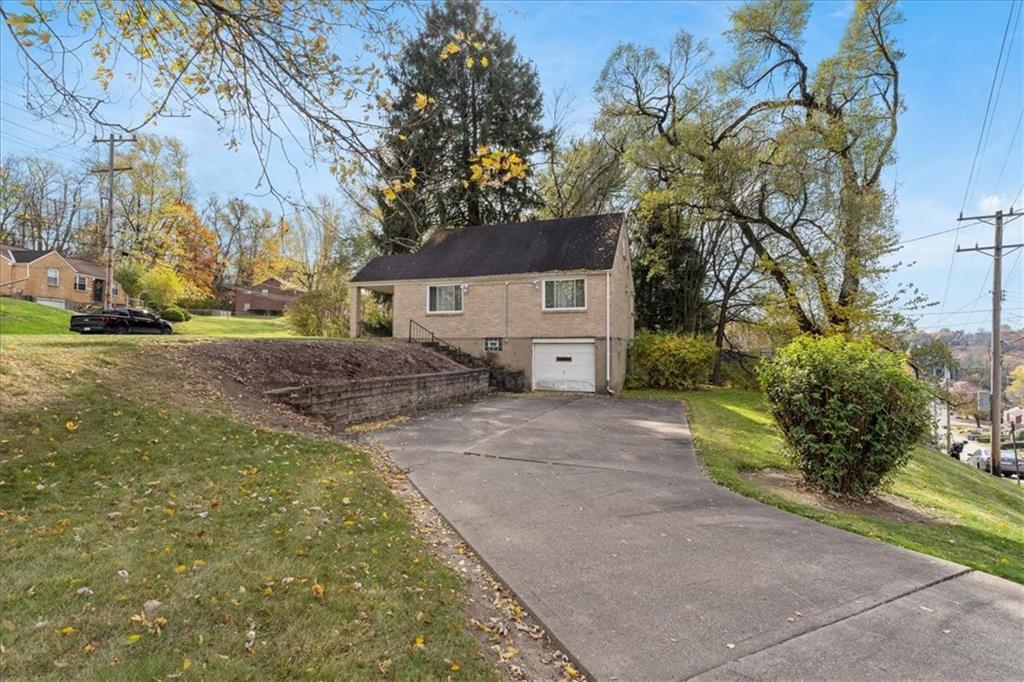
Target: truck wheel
(121, 329)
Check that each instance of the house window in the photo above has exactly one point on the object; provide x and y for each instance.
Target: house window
(565, 294)
(492, 345)
(115, 289)
(264, 291)
(52, 277)
(444, 299)
(79, 282)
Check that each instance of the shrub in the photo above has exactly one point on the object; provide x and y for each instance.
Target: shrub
(175, 314)
(849, 411)
(669, 361)
(319, 312)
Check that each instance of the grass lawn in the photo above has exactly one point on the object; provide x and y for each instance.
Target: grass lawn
(233, 327)
(274, 555)
(975, 519)
(26, 317)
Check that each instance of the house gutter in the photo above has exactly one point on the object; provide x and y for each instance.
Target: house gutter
(608, 332)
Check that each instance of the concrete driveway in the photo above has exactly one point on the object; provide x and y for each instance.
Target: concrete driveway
(596, 513)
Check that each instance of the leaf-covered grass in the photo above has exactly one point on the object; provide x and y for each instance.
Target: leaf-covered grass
(27, 317)
(979, 519)
(233, 327)
(233, 529)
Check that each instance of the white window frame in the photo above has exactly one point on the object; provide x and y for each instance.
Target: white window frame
(493, 344)
(56, 277)
(462, 296)
(115, 289)
(544, 292)
(85, 283)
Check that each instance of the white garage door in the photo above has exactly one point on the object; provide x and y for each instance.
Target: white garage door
(563, 365)
(52, 302)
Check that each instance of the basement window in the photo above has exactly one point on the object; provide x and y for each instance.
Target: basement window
(492, 345)
(445, 298)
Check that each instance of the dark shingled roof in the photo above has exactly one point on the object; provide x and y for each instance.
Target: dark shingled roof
(26, 255)
(584, 243)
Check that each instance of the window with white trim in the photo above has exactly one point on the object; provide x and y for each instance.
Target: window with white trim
(492, 345)
(116, 289)
(565, 294)
(444, 298)
(79, 282)
(52, 277)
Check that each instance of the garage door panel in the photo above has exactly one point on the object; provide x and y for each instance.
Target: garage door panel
(563, 366)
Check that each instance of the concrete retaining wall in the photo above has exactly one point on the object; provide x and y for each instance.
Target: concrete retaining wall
(351, 402)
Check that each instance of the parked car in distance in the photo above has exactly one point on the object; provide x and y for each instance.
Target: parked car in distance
(120, 321)
(980, 459)
(1009, 465)
(973, 434)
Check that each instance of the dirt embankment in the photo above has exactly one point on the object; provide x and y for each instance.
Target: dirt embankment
(267, 364)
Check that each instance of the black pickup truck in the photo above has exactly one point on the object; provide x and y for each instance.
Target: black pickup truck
(120, 321)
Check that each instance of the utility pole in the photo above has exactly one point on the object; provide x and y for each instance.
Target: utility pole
(112, 142)
(997, 249)
(949, 434)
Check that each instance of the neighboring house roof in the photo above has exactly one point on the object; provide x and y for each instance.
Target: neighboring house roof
(280, 284)
(584, 243)
(82, 267)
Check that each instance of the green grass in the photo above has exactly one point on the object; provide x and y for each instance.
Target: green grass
(26, 317)
(979, 519)
(233, 327)
(230, 527)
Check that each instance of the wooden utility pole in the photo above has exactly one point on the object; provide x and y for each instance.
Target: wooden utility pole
(112, 142)
(997, 249)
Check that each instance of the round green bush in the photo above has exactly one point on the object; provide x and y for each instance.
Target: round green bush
(849, 411)
(175, 314)
(669, 361)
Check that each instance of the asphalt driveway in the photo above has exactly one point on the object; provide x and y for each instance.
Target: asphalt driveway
(596, 512)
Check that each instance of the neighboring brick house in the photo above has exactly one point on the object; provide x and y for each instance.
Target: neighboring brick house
(553, 298)
(52, 278)
(269, 297)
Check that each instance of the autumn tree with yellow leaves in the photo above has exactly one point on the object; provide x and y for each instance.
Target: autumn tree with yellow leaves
(464, 122)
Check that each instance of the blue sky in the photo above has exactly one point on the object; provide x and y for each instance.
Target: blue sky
(951, 51)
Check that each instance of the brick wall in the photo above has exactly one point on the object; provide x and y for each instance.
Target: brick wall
(352, 402)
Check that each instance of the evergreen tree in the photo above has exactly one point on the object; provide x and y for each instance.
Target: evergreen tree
(466, 118)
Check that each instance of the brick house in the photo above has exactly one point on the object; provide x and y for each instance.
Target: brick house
(269, 297)
(51, 278)
(553, 298)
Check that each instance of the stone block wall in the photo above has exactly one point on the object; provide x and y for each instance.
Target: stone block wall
(344, 404)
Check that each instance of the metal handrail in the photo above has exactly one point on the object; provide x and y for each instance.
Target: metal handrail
(420, 334)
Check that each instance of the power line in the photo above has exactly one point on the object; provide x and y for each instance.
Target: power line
(1009, 151)
(985, 121)
(31, 145)
(941, 232)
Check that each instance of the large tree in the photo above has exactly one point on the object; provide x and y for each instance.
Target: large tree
(466, 118)
(793, 155)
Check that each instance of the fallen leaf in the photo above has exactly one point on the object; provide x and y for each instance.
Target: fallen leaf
(420, 642)
(65, 631)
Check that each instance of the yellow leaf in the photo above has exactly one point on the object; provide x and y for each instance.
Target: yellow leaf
(484, 61)
(412, 176)
(318, 591)
(132, 639)
(420, 642)
(180, 568)
(88, 648)
(483, 149)
(456, 667)
(186, 664)
(346, 500)
(65, 631)
(390, 194)
(70, 425)
(348, 523)
(571, 671)
(470, 62)
(421, 101)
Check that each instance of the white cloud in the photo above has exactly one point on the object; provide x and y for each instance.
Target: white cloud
(990, 203)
